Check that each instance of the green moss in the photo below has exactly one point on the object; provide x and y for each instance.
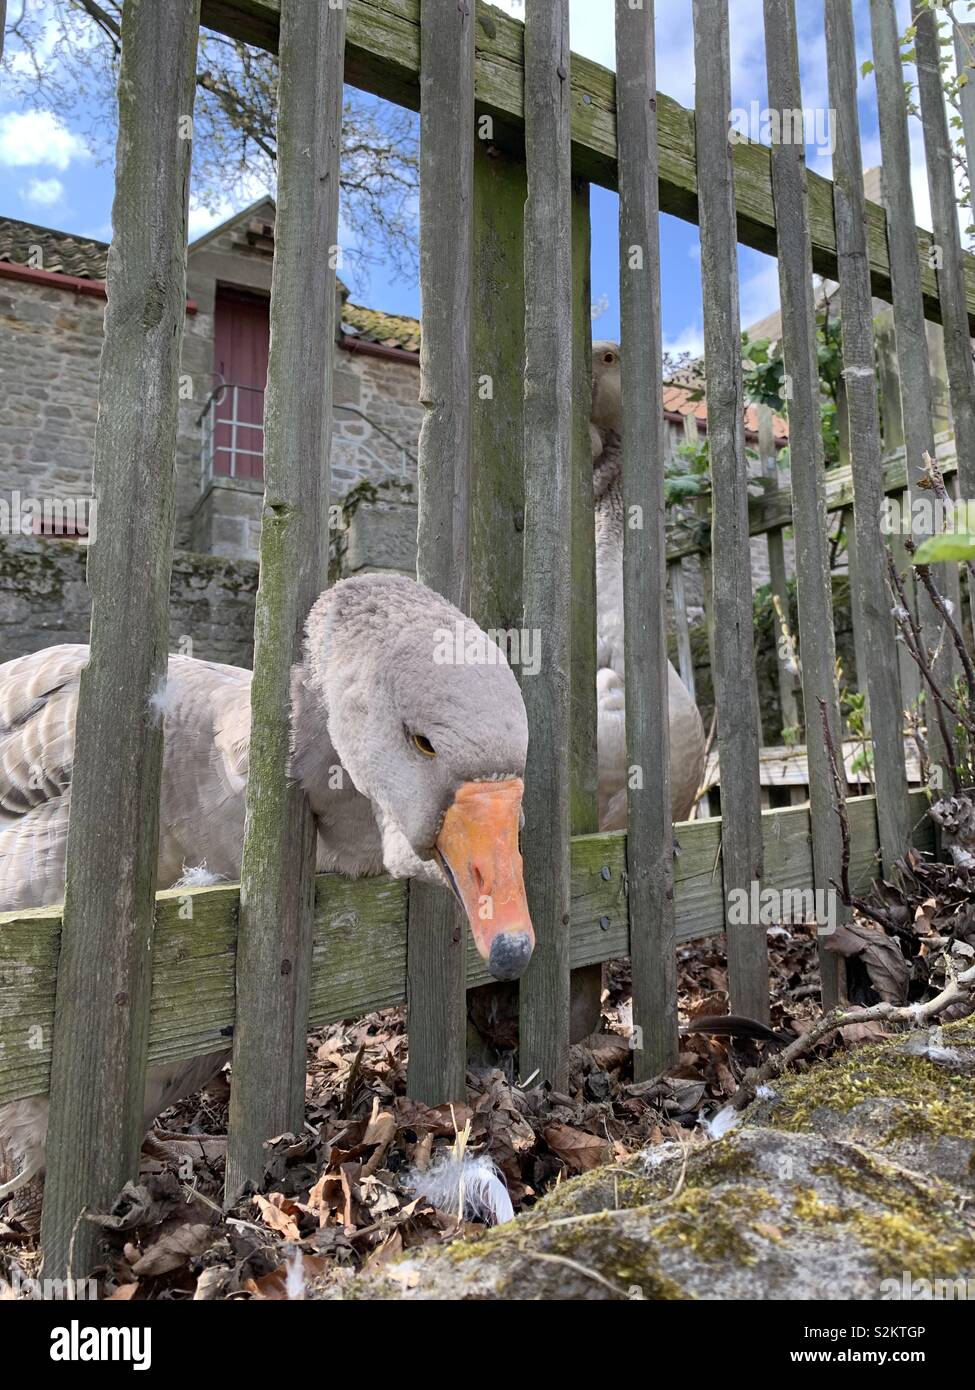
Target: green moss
(897, 1242)
(712, 1223)
(597, 1245)
(36, 567)
(810, 1210)
(710, 1219)
(368, 491)
(600, 1189)
(729, 1159)
(619, 1258)
(236, 576)
(932, 1099)
(914, 1227)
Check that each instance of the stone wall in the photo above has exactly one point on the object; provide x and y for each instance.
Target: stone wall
(50, 345)
(44, 601)
(387, 391)
(366, 452)
(50, 342)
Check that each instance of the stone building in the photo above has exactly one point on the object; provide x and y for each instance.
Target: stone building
(52, 301)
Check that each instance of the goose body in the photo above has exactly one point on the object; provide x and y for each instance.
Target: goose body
(687, 744)
(206, 721)
(411, 753)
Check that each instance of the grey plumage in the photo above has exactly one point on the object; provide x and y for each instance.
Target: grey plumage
(374, 674)
(687, 745)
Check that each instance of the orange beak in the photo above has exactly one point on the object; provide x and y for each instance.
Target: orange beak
(477, 849)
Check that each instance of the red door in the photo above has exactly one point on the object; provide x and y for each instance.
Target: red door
(241, 335)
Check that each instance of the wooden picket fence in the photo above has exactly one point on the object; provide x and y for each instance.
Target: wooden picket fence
(512, 132)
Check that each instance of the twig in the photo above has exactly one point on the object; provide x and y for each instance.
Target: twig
(959, 990)
(579, 1269)
(924, 574)
(936, 481)
(706, 786)
(685, 1156)
(915, 645)
(348, 1100)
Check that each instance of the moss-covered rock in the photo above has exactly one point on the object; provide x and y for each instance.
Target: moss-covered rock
(910, 1098)
(808, 1197)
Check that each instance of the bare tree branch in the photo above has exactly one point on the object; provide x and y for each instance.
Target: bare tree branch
(960, 989)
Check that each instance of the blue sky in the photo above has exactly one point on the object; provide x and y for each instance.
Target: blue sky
(48, 176)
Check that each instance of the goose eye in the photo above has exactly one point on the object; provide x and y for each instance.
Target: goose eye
(421, 742)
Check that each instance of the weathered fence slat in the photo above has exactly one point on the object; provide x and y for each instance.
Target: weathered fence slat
(498, 360)
(585, 985)
(849, 533)
(944, 216)
(98, 1074)
(964, 36)
(778, 578)
(548, 423)
(278, 868)
(735, 690)
(877, 671)
(650, 851)
(702, 509)
(813, 589)
(888, 384)
(908, 313)
(498, 332)
(585, 808)
(438, 931)
(383, 57)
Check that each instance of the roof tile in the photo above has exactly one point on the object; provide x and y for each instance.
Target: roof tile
(61, 252)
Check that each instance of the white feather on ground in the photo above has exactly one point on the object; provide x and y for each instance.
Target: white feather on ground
(718, 1125)
(294, 1285)
(659, 1154)
(470, 1186)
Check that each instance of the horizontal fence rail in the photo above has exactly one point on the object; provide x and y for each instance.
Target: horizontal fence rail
(773, 510)
(383, 57)
(360, 936)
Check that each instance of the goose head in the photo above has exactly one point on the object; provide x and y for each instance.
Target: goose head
(604, 421)
(605, 413)
(428, 721)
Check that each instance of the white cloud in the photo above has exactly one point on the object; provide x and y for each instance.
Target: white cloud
(23, 60)
(202, 220)
(37, 137)
(759, 285)
(591, 27)
(689, 339)
(593, 31)
(919, 171)
(45, 193)
(599, 307)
